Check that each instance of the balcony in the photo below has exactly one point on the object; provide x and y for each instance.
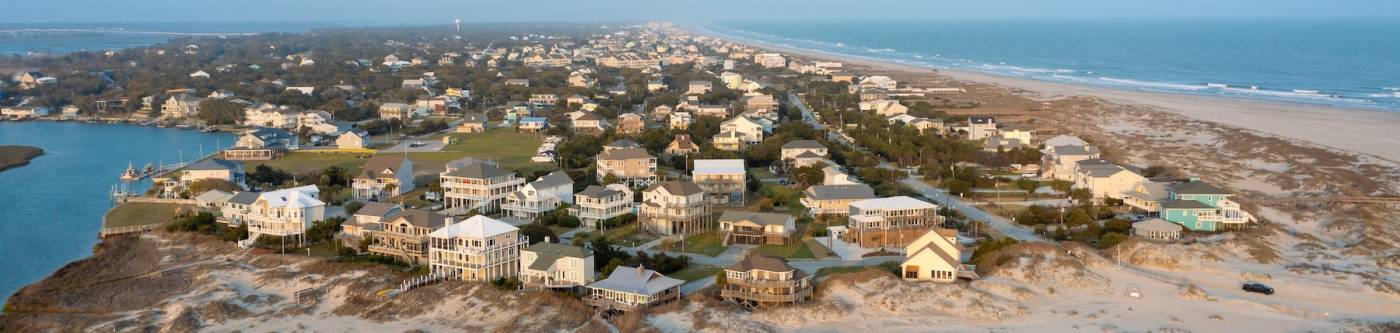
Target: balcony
(764, 297)
(606, 304)
(756, 283)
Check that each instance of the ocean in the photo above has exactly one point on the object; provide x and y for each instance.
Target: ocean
(1343, 63)
(61, 38)
(51, 209)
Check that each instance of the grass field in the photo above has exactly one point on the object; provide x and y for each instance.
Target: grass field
(792, 251)
(510, 148)
(696, 272)
(628, 235)
(299, 163)
(142, 213)
(706, 243)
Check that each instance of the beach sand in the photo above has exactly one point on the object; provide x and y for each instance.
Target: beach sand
(1358, 131)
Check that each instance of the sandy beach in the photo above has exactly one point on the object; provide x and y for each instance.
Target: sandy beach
(1358, 131)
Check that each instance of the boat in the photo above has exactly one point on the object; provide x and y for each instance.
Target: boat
(149, 169)
(130, 173)
(209, 129)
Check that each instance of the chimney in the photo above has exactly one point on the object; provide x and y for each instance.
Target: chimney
(446, 221)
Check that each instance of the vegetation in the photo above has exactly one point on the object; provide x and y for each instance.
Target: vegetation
(14, 156)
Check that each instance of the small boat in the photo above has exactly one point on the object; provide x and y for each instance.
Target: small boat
(149, 169)
(209, 129)
(130, 173)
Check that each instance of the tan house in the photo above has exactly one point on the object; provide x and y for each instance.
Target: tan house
(883, 222)
(399, 111)
(675, 208)
(633, 288)
(590, 121)
(353, 139)
(383, 177)
(470, 183)
(404, 236)
(759, 281)
(681, 145)
(599, 203)
(803, 152)
(282, 213)
(541, 196)
(741, 227)
(722, 180)
(935, 256)
(834, 200)
(369, 218)
(630, 124)
(477, 249)
(472, 122)
(631, 166)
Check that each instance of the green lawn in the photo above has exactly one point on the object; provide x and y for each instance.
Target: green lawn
(706, 243)
(142, 213)
(842, 269)
(628, 235)
(793, 198)
(696, 272)
(792, 251)
(512, 149)
(299, 163)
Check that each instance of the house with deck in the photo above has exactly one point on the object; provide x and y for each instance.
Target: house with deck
(883, 222)
(479, 248)
(1199, 206)
(632, 166)
(471, 183)
(754, 228)
(283, 213)
(834, 200)
(383, 177)
(675, 208)
(633, 288)
(261, 144)
(556, 265)
(404, 236)
(723, 181)
(596, 204)
(760, 281)
(541, 196)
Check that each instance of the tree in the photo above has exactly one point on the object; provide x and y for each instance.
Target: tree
(220, 112)
(205, 185)
(538, 233)
(324, 230)
(808, 175)
(353, 207)
(1081, 194)
(1111, 239)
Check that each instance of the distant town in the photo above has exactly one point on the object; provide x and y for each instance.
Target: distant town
(632, 167)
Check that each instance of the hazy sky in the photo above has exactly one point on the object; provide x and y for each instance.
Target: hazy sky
(435, 11)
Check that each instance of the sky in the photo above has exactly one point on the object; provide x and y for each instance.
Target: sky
(434, 11)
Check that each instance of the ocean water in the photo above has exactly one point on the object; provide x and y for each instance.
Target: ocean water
(51, 209)
(60, 38)
(1346, 63)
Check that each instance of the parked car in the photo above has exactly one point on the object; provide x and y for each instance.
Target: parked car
(417, 144)
(1258, 288)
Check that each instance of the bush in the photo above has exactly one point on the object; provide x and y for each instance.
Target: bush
(621, 220)
(1111, 239)
(991, 246)
(537, 233)
(892, 267)
(203, 222)
(353, 207)
(506, 283)
(236, 234)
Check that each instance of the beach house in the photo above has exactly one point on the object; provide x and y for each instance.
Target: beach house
(369, 218)
(631, 166)
(633, 288)
(675, 208)
(404, 236)
(283, 213)
(214, 168)
(540, 196)
(887, 222)
(470, 183)
(477, 249)
(383, 177)
(261, 143)
(803, 153)
(722, 180)
(834, 200)
(1059, 161)
(741, 227)
(180, 106)
(472, 122)
(353, 139)
(400, 111)
(1105, 179)
(1157, 229)
(935, 256)
(1202, 207)
(759, 281)
(681, 145)
(556, 265)
(981, 127)
(599, 203)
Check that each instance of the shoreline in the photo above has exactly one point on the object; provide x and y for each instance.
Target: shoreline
(14, 156)
(1360, 131)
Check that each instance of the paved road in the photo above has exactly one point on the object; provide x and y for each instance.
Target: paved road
(1001, 224)
(811, 118)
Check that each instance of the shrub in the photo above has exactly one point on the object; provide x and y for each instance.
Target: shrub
(1110, 239)
(353, 207)
(506, 283)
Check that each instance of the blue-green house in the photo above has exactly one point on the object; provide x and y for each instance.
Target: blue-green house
(1201, 207)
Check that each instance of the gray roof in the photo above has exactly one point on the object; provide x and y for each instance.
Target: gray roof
(624, 154)
(214, 196)
(376, 166)
(637, 280)
(547, 253)
(1186, 204)
(841, 192)
(755, 217)
(764, 263)
(1157, 225)
(1197, 187)
(623, 143)
(421, 218)
(553, 179)
(244, 198)
(677, 187)
(214, 164)
(378, 209)
(597, 191)
(478, 171)
(808, 154)
(803, 144)
(1076, 150)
